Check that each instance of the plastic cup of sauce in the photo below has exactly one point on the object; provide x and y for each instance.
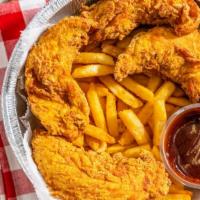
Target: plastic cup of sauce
(180, 145)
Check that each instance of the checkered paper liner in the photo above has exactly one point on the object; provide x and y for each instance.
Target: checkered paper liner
(13, 100)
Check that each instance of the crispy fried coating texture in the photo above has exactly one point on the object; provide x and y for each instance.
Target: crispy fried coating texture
(160, 51)
(75, 174)
(117, 18)
(54, 96)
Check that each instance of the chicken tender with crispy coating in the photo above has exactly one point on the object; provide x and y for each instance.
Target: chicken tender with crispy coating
(54, 96)
(117, 18)
(160, 51)
(73, 173)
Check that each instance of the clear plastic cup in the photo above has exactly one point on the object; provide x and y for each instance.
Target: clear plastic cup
(177, 116)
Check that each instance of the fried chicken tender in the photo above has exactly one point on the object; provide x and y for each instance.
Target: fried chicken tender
(117, 18)
(75, 174)
(54, 96)
(160, 51)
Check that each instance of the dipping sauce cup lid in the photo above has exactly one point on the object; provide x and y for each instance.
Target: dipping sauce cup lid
(180, 145)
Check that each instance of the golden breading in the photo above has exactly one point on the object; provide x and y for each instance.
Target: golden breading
(54, 96)
(160, 51)
(116, 18)
(73, 173)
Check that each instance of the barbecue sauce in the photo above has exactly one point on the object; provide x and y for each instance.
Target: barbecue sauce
(183, 146)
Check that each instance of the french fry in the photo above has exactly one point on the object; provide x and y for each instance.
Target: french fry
(145, 113)
(120, 92)
(88, 80)
(102, 91)
(159, 120)
(156, 153)
(84, 86)
(163, 93)
(136, 151)
(93, 143)
(124, 43)
(178, 101)
(92, 70)
(149, 131)
(102, 147)
(121, 126)
(178, 92)
(177, 197)
(94, 58)
(103, 104)
(175, 190)
(126, 138)
(135, 126)
(177, 184)
(115, 148)
(141, 79)
(99, 134)
(95, 107)
(74, 66)
(111, 115)
(187, 192)
(79, 141)
(153, 83)
(121, 106)
(150, 123)
(174, 187)
(139, 90)
(111, 50)
(136, 110)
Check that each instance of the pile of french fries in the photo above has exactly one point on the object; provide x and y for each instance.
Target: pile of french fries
(127, 116)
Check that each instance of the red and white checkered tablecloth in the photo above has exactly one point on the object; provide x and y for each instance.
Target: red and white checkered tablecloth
(14, 17)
